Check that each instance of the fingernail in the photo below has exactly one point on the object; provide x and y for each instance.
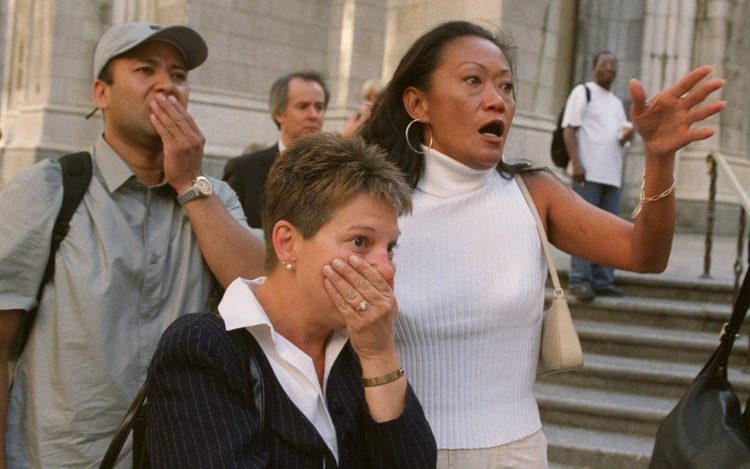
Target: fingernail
(338, 263)
(327, 270)
(355, 260)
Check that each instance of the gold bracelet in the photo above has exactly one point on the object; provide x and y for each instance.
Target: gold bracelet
(644, 200)
(383, 379)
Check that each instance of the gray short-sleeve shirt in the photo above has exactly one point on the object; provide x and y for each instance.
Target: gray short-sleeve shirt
(128, 267)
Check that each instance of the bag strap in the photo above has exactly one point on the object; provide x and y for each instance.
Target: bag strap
(562, 111)
(122, 432)
(242, 340)
(542, 236)
(717, 364)
(76, 175)
(739, 311)
(588, 93)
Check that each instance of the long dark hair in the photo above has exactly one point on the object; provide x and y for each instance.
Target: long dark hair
(387, 125)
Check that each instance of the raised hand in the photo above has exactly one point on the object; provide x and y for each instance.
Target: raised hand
(182, 140)
(665, 122)
(366, 302)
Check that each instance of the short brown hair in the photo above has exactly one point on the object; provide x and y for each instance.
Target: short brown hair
(319, 173)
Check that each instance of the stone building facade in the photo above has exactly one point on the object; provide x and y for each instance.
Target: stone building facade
(46, 50)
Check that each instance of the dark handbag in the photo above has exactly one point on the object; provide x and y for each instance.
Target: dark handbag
(136, 417)
(707, 428)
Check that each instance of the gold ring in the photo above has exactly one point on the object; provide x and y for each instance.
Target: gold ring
(362, 306)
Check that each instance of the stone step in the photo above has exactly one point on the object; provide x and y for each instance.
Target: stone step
(669, 287)
(611, 411)
(656, 378)
(678, 288)
(656, 312)
(642, 351)
(558, 465)
(654, 343)
(594, 449)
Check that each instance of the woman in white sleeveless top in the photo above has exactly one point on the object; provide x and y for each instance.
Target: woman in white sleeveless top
(471, 268)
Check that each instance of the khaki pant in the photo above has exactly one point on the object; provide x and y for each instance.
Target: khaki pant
(526, 453)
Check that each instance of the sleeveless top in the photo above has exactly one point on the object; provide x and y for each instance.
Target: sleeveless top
(470, 288)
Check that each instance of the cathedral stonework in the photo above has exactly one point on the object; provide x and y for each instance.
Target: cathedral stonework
(47, 46)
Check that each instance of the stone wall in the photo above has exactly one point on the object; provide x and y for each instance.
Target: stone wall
(48, 47)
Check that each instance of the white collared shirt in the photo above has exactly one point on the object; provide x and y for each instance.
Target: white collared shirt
(293, 368)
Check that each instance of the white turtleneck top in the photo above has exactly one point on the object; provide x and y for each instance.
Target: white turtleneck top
(470, 289)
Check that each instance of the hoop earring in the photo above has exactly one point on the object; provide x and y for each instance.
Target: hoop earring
(409, 142)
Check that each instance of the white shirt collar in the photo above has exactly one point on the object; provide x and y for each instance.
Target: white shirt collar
(239, 306)
(295, 371)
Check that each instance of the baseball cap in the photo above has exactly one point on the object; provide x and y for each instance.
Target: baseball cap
(124, 37)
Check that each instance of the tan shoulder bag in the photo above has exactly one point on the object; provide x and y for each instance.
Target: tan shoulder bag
(560, 349)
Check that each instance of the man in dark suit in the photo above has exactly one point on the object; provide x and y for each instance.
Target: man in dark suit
(297, 103)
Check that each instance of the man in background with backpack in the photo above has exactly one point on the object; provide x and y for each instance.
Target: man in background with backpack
(144, 247)
(596, 132)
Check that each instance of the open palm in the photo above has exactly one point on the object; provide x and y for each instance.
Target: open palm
(665, 121)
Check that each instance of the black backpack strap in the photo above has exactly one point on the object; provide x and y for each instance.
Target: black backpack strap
(588, 93)
(242, 340)
(76, 175)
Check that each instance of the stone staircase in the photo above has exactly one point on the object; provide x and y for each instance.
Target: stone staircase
(641, 353)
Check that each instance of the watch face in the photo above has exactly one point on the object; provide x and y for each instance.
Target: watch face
(203, 185)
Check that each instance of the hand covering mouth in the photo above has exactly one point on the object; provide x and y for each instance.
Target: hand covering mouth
(494, 129)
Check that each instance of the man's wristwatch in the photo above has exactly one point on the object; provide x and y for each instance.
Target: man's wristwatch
(201, 188)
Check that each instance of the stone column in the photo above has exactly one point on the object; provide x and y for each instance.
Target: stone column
(47, 80)
(720, 40)
(667, 44)
(4, 33)
(355, 54)
(544, 33)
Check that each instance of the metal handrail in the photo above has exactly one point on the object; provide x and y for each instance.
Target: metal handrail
(730, 174)
(713, 160)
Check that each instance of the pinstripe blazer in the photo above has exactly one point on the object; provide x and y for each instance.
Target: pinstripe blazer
(201, 411)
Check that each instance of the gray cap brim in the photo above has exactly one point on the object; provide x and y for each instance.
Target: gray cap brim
(122, 38)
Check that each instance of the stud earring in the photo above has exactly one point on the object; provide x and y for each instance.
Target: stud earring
(289, 265)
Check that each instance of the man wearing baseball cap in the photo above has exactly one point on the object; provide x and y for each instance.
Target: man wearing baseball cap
(144, 246)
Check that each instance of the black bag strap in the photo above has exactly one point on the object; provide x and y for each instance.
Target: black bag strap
(242, 340)
(137, 412)
(122, 432)
(76, 175)
(717, 364)
(741, 305)
(562, 111)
